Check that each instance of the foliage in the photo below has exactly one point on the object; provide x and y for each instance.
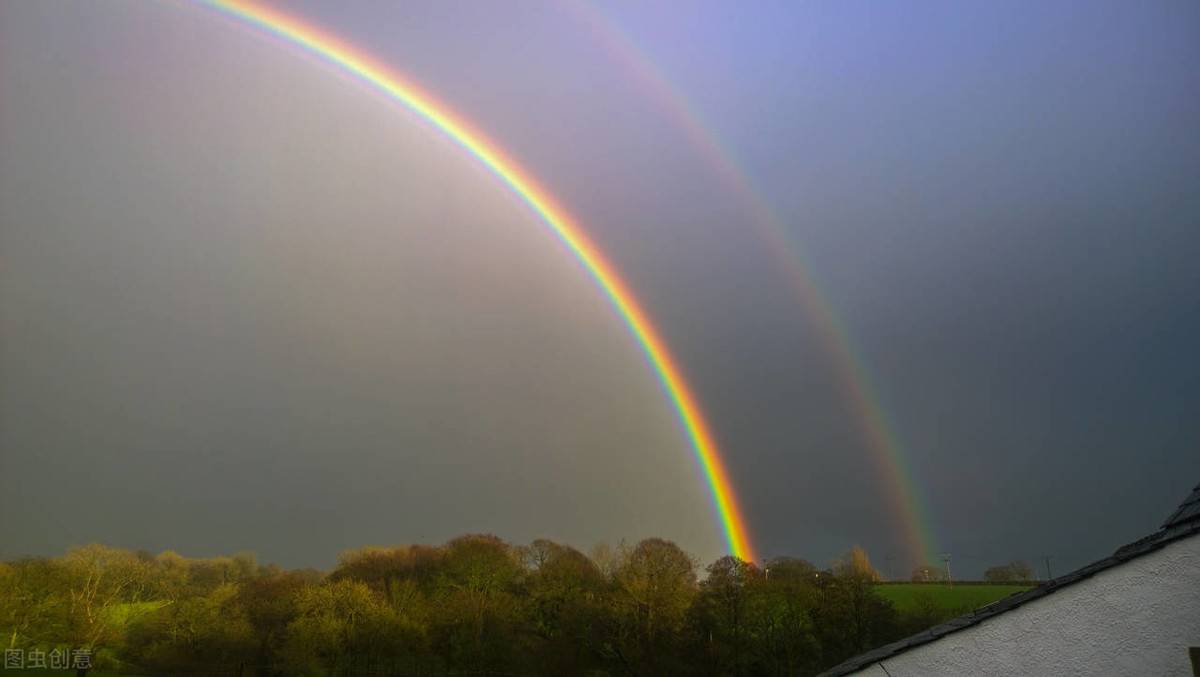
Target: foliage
(1015, 570)
(855, 564)
(928, 573)
(476, 605)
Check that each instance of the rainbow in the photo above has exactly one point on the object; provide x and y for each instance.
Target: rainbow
(854, 378)
(329, 48)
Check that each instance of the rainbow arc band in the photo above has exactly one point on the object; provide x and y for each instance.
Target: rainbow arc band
(300, 34)
(908, 505)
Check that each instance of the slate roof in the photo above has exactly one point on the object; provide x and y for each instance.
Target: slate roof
(1182, 523)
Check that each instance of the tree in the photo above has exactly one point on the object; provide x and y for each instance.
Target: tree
(268, 603)
(564, 592)
(721, 614)
(475, 602)
(1013, 571)
(1021, 570)
(851, 616)
(782, 618)
(928, 573)
(475, 605)
(606, 558)
(33, 603)
(791, 569)
(382, 568)
(856, 564)
(206, 629)
(104, 586)
(343, 626)
(654, 583)
(170, 576)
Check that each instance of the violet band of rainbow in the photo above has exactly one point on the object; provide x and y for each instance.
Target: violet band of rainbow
(384, 79)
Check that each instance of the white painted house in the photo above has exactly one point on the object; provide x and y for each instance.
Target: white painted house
(1136, 612)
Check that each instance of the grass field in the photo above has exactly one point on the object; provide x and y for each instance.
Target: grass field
(956, 598)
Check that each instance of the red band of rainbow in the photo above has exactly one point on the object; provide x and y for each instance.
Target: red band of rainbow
(329, 48)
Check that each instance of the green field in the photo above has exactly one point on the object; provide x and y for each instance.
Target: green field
(910, 597)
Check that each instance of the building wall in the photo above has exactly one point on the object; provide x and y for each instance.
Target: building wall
(1138, 618)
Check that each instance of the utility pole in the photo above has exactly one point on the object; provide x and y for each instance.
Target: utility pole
(946, 559)
(1046, 559)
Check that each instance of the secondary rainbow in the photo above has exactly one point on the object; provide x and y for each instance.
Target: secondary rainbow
(386, 81)
(854, 378)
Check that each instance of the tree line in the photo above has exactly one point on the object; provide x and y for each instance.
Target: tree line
(1017, 572)
(475, 605)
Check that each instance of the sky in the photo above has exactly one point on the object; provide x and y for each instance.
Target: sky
(246, 303)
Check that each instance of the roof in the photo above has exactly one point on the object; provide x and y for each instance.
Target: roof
(1188, 510)
(1182, 523)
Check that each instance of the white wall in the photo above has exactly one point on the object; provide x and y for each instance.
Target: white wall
(1137, 618)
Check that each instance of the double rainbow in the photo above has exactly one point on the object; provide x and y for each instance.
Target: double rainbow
(908, 506)
(298, 33)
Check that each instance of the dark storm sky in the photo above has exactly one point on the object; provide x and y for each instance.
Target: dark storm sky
(247, 304)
